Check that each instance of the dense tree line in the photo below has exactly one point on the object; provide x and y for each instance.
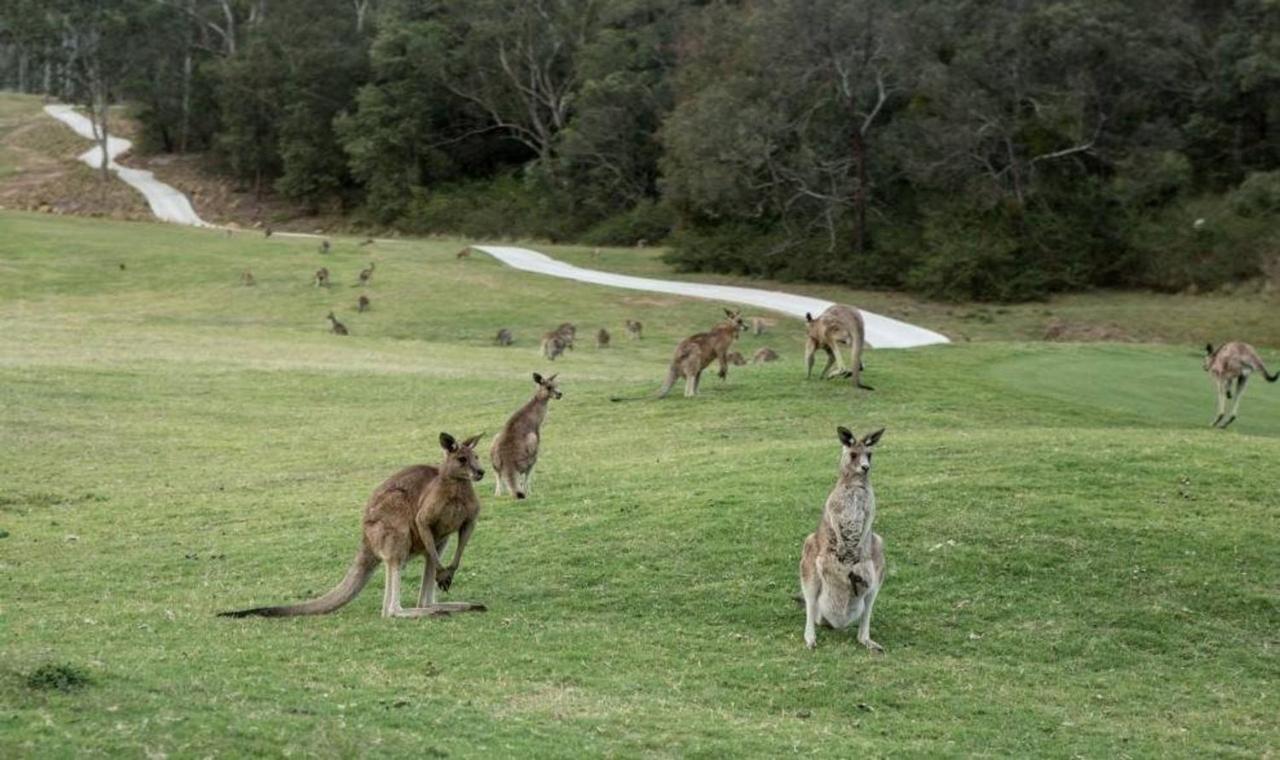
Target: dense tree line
(960, 148)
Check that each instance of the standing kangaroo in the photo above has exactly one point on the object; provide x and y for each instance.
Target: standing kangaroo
(362, 304)
(246, 278)
(842, 565)
(552, 346)
(415, 511)
(338, 328)
(634, 329)
(325, 246)
(504, 337)
(1233, 361)
(696, 352)
(321, 278)
(602, 338)
(515, 448)
(365, 274)
(838, 325)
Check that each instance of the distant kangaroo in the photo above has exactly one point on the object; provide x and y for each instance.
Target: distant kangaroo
(515, 449)
(837, 326)
(366, 241)
(1233, 361)
(634, 329)
(366, 273)
(757, 325)
(464, 253)
(415, 511)
(266, 231)
(324, 246)
(735, 358)
(338, 328)
(842, 564)
(362, 304)
(321, 278)
(246, 278)
(696, 352)
(504, 337)
(764, 355)
(602, 338)
(552, 346)
(568, 334)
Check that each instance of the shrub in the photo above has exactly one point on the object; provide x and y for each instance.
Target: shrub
(650, 221)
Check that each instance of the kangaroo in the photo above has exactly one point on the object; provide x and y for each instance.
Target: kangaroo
(414, 511)
(324, 246)
(321, 278)
(246, 278)
(465, 253)
(634, 329)
(504, 337)
(696, 352)
(602, 338)
(515, 447)
(764, 355)
(568, 334)
(366, 241)
(1233, 361)
(365, 274)
(552, 346)
(266, 231)
(838, 325)
(842, 564)
(362, 305)
(338, 328)
(757, 325)
(735, 358)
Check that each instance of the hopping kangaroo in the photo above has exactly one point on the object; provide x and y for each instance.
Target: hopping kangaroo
(1233, 361)
(838, 325)
(842, 565)
(696, 352)
(515, 449)
(415, 511)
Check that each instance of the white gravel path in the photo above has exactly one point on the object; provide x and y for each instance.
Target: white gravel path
(170, 205)
(167, 203)
(882, 332)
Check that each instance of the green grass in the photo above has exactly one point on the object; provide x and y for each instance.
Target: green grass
(1078, 565)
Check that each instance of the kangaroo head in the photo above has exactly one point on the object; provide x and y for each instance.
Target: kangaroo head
(547, 387)
(735, 319)
(460, 460)
(1208, 356)
(855, 458)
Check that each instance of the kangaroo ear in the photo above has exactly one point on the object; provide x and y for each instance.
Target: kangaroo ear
(846, 436)
(447, 442)
(473, 440)
(729, 313)
(537, 378)
(873, 438)
(1208, 349)
(552, 379)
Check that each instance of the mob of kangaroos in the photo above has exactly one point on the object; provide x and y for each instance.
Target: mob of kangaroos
(837, 326)
(1233, 362)
(514, 451)
(415, 511)
(842, 563)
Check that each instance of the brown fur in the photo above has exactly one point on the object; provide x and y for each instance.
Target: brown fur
(1233, 362)
(602, 338)
(246, 278)
(367, 273)
(696, 352)
(837, 326)
(842, 563)
(465, 253)
(504, 337)
(321, 278)
(362, 304)
(515, 448)
(338, 328)
(415, 511)
(634, 329)
(758, 325)
(763, 355)
(557, 341)
(735, 359)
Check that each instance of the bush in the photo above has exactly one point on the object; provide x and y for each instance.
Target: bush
(1203, 245)
(650, 221)
(58, 677)
(1257, 196)
(506, 207)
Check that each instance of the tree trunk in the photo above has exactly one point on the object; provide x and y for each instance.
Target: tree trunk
(858, 148)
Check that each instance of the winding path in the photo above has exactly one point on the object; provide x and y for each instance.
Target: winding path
(170, 205)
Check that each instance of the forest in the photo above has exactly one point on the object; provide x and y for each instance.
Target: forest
(959, 149)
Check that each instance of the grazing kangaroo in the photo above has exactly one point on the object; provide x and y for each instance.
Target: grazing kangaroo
(602, 338)
(321, 278)
(362, 304)
(366, 241)
(838, 325)
(338, 328)
(696, 352)
(764, 355)
(365, 274)
(1233, 361)
(464, 253)
(634, 329)
(515, 448)
(414, 511)
(324, 246)
(842, 564)
(735, 358)
(246, 278)
(504, 337)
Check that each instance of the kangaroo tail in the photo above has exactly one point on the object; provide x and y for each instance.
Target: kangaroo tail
(855, 354)
(357, 576)
(667, 384)
(1271, 378)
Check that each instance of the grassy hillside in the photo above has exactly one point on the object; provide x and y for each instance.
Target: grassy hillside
(1078, 565)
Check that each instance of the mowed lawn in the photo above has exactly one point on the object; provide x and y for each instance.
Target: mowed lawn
(1078, 564)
